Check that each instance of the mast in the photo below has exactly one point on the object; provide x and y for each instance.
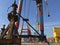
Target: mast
(20, 6)
(39, 5)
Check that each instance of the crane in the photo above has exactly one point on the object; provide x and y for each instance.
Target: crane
(14, 18)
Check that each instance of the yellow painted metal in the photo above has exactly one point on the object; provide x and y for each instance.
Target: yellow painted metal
(57, 40)
(56, 29)
(56, 33)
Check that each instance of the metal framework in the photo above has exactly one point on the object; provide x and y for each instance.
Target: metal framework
(12, 29)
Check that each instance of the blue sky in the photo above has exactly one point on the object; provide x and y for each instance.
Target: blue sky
(49, 22)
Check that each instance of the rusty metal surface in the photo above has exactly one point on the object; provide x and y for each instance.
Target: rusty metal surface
(10, 41)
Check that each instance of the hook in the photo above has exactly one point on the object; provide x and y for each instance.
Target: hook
(48, 14)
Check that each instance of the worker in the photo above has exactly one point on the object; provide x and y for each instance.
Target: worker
(3, 28)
